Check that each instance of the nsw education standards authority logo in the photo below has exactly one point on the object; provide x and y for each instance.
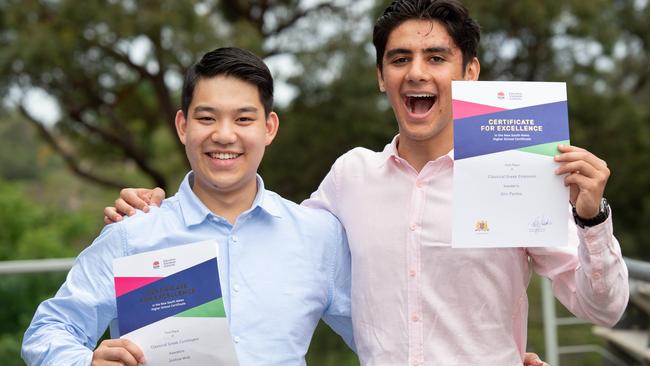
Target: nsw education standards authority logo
(510, 95)
(165, 263)
(481, 226)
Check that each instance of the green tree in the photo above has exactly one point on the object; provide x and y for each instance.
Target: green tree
(114, 69)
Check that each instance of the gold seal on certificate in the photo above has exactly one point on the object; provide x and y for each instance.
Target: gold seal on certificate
(506, 193)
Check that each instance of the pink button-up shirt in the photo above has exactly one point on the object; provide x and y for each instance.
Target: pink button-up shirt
(417, 301)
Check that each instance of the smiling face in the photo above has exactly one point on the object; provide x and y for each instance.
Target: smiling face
(419, 63)
(225, 135)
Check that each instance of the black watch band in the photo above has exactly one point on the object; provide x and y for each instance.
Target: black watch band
(602, 215)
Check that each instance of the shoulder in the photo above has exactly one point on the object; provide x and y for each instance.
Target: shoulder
(359, 155)
(142, 226)
(168, 210)
(315, 218)
(356, 163)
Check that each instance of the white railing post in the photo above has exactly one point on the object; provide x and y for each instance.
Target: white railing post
(550, 324)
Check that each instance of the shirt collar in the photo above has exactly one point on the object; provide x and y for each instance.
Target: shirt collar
(390, 153)
(195, 212)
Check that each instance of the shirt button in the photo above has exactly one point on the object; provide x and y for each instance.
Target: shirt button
(236, 339)
(419, 184)
(412, 273)
(234, 238)
(415, 318)
(235, 288)
(413, 227)
(596, 275)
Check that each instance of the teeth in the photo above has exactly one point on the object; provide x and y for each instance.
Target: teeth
(420, 95)
(223, 156)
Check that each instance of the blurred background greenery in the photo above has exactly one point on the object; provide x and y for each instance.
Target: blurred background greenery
(88, 91)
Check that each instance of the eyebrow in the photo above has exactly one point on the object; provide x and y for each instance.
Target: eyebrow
(250, 109)
(202, 108)
(405, 51)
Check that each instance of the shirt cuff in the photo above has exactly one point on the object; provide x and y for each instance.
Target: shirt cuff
(598, 238)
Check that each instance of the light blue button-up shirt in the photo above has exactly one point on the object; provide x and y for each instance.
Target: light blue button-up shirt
(282, 267)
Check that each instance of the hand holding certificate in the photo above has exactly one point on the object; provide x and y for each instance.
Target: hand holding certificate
(506, 192)
(169, 303)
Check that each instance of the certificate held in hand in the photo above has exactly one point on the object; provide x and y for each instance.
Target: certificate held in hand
(506, 193)
(169, 303)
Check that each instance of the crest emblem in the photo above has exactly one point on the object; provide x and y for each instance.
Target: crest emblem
(481, 226)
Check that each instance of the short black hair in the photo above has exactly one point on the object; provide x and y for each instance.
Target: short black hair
(230, 61)
(452, 14)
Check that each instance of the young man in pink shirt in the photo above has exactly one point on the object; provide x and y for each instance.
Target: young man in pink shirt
(415, 300)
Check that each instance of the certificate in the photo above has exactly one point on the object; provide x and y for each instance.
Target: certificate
(506, 193)
(169, 303)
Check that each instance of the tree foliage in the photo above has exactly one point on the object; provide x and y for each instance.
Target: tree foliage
(114, 69)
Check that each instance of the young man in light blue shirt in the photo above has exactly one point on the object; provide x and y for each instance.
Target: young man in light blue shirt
(282, 266)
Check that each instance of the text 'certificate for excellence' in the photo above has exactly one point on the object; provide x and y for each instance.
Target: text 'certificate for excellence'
(169, 303)
(506, 193)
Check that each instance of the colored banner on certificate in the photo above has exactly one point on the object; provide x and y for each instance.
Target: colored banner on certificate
(169, 303)
(506, 193)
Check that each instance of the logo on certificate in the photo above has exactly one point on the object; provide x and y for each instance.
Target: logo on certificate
(156, 264)
(481, 226)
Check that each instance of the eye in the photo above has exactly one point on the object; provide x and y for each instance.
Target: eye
(399, 61)
(245, 120)
(204, 119)
(437, 59)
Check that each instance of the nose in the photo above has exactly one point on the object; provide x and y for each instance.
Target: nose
(418, 71)
(224, 133)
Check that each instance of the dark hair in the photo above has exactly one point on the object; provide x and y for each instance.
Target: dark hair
(230, 61)
(452, 14)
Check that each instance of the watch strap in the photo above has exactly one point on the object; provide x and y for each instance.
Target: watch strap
(602, 215)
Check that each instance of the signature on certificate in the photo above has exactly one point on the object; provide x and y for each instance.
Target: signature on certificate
(539, 223)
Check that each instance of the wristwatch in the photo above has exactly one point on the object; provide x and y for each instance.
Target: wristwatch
(602, 215)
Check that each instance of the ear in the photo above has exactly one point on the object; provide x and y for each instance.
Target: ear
(380, 80)
(472, 70)
(272, 124)
(181, 126)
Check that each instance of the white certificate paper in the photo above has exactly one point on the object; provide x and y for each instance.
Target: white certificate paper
(506, 193)
(169, 303)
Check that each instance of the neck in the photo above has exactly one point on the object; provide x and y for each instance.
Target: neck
(419, 153)
(228, 205)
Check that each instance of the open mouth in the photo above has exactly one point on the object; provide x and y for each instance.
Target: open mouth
(223, 156)
(420, 103)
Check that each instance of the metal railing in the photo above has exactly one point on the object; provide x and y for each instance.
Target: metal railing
(638, 271)
(36, 265)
